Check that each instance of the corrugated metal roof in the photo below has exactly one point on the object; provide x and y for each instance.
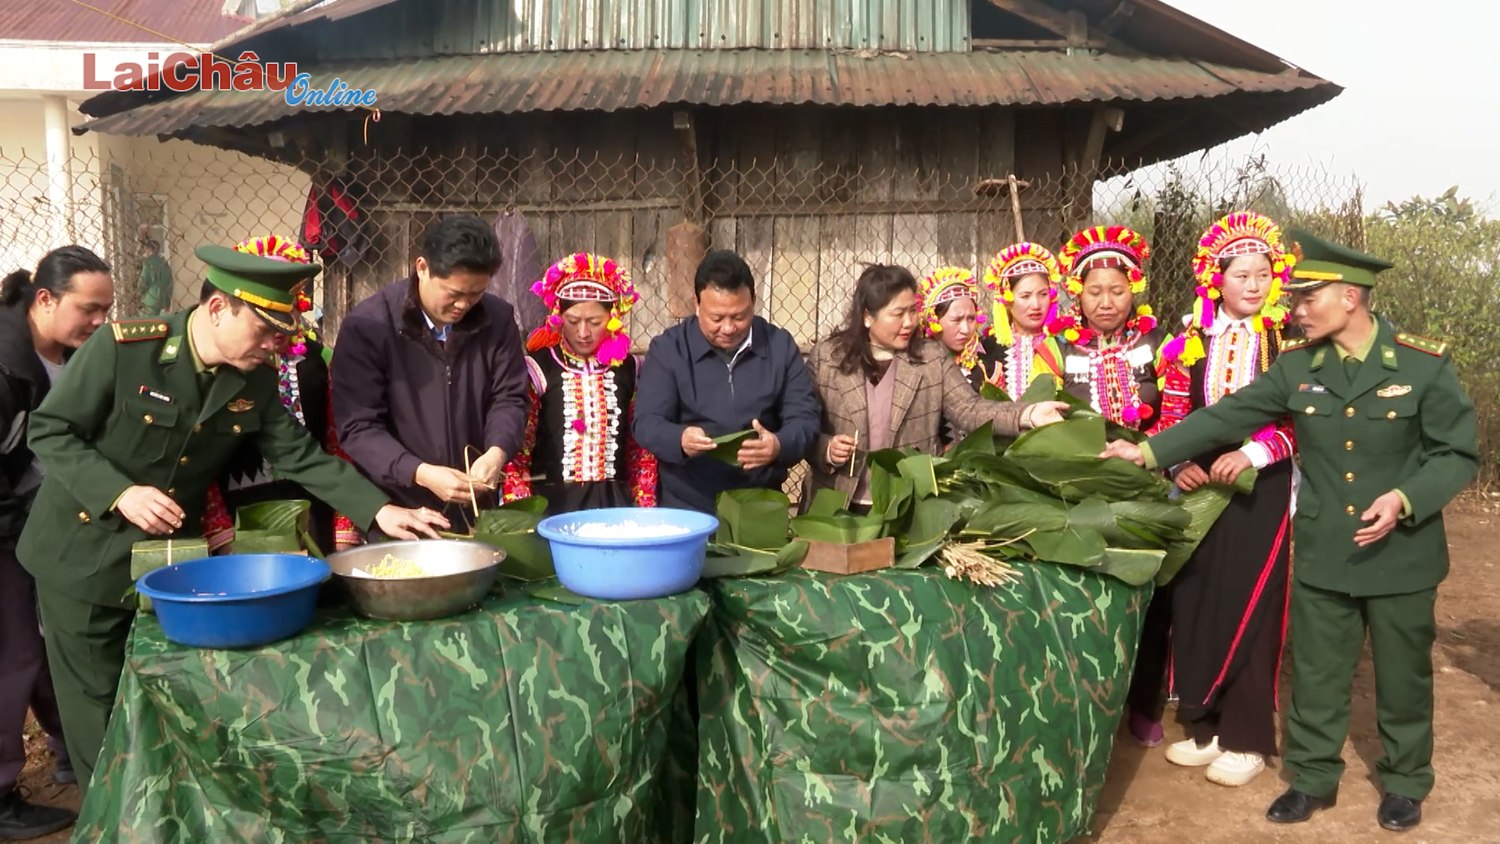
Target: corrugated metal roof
(371, 29)
(137, 21)
(1161, 29)
(611, 80)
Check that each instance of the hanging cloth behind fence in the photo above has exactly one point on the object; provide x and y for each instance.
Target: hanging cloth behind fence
(520, 265)
(333, 225)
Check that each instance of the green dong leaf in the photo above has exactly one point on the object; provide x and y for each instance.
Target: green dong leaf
(727, 447)
(754, 518)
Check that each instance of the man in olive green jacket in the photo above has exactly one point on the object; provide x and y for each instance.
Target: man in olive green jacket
(143, 418)
(1387, 437)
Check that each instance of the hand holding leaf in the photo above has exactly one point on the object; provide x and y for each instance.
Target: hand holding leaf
(1044, 413)
(726, 449)
(1229, 466)
(1125, 451)
(1191, 477)
(695, 441)
(761, 450)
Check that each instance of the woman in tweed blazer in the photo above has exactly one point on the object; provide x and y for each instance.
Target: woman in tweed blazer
(881, 390)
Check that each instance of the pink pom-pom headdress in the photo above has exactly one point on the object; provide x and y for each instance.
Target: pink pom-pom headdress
(584, 277)
(1237, 234)
(1103, 247)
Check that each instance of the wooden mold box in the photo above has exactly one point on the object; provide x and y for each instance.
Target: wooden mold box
(838, 558)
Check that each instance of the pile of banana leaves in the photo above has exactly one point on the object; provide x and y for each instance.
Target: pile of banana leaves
(1044, 496)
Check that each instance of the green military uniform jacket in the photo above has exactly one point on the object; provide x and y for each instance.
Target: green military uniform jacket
(1404, 424)
(128, 410)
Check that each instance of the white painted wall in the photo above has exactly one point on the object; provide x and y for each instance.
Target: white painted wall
(58, 67)
(210, 196)
(191, 194)
(186, 193)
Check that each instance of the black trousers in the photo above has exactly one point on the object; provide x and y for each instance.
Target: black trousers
(25, 682)
(1151, 656)
(1244, 714)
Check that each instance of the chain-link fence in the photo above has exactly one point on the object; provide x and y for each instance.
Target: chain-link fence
(806, 224)
(805, 227)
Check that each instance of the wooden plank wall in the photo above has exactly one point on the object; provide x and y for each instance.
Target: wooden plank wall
(806, 195)
(607, 184)
(851, 187)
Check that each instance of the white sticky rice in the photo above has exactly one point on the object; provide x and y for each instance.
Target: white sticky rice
(627, 529)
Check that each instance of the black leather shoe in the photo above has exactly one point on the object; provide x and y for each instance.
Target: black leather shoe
(1398, 813)
(1297, 806)
(20, 820)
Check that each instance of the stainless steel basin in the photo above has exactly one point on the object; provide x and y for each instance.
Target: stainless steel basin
(462, 572)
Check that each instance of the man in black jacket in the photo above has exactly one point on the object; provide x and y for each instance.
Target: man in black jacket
(429, 376)
(43, 318)
(722, 371)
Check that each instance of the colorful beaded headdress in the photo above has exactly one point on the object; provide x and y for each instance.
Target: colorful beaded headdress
(583, 277)
(1009, 264)
(279, 248)
(1241, 233)
(939, 287)
(1096, 248)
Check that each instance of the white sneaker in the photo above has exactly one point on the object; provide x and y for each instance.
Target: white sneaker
(1190, 754)
(1235, 769)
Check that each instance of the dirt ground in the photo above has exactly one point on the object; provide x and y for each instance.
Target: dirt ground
(1148, 800)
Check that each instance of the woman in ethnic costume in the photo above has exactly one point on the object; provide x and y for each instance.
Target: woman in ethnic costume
(1024, 278)
(1229, 601)
(948, 310)
(948, 307)
(578, 451)
(306, 393)
(1104, 352)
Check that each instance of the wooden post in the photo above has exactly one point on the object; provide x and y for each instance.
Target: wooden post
(992, 187)
(692, 176)
(1015, 206)
(687, 243)
(1106, 118)
(1078, 30)
(1080, 192)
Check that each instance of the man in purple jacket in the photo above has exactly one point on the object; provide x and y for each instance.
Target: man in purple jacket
(429, 379)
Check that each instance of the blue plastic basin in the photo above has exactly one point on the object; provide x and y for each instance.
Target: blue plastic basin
(237, 600)
(623, 568)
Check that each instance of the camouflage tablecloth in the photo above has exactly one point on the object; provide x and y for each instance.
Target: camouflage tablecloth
(524, 721)
(904, 707)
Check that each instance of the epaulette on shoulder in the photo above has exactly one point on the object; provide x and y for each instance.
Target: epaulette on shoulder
(1436, 348)
(1295, 343)
(135, 330)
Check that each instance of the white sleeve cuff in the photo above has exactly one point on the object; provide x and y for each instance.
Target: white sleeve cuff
(1260, 456)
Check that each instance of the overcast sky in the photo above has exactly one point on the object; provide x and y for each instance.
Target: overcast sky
(1420, 109)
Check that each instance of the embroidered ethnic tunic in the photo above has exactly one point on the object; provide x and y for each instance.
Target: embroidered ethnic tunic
(578, 451)
(1117, 376)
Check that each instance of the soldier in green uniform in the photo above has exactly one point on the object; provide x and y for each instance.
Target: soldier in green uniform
(140, 422)
(1387, 437)
(156, 280)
